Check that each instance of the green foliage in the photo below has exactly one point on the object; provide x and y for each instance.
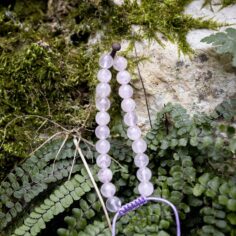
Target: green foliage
(192, 163)
(56, 203)
(152, 16)
(224, 3)
(47, 66)
(38, 176)
(80, 217)
(193, 167)
(225, 42)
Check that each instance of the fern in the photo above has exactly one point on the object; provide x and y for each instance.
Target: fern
(192, 163)
(27, 181)
(56, 203)
(225, 42)
(89, 207)
(35, 176)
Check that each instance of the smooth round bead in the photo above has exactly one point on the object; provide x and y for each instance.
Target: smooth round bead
(125, 91)
(106, 61)
(102, 132)
(120, 63)
(123, 77)
(128, 105)
(141, 160)
(102, 118)
(139, 146)
(130, 119)
(104, 75)
(103, 160)
(103, 90)
(104, 175)
(144, 174)
(145, 189)
(103, 104)
(133, 133)
(108, 190)
(103, 146)
(113, 204)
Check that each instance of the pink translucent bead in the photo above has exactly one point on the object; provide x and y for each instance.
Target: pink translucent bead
(104, 175)
(106, 61)
(113, 204)
(103, 146)
(139, 146)
(104, 75)
(103, 161)
(130, 119)
(123, 77)
(134, 132)
(103, 90)
(125, 91)
(141, 160)
(120, 63)
(108, 190)
(102, 118)
(128, 105)
(144, 174)
(103, 104)
(145, 189)
(102, 132)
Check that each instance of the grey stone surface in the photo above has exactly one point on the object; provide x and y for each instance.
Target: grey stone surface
(199, 83)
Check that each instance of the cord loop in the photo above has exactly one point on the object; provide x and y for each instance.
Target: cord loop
(140, 201)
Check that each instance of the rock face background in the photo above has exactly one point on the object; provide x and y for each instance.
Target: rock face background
(198, 83)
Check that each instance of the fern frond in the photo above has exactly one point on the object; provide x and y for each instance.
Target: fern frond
(56, 203)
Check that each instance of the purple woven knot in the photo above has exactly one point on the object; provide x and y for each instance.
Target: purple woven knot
(132, 206)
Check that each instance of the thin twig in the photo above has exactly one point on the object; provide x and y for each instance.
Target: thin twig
(29, 116)
(62, 145)
(45, 142)
(92, 179)
(73, 163)
(144, 90)
(86, 141)
(117, 162)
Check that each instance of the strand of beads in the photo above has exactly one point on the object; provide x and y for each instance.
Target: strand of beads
(139, 145)
(102, 132)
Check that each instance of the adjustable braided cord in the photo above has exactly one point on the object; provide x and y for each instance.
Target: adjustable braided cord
(135, 204)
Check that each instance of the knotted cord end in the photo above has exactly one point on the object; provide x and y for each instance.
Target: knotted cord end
(132, 206)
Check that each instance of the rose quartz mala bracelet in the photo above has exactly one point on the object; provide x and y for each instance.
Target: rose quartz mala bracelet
(139, 146)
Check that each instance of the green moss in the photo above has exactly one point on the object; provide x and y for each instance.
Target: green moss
(47, 67)
(152, 16)
(224, 3)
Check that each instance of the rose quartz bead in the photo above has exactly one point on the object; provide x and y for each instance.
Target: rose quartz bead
(108, 190)
(145, 189)
(103, 146)
(102, 132)
(120, 63)
(144, 174)
(113, 204)
(103, 104)
(104, 75)
(130, 119)
(103, 161)
(123, 77)
(103, 90)
(104, 175)
(125, 91)
(128, 105)
(102, 118)
(133, 133)
(106, 61)
(139, 146)
(141, 160)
